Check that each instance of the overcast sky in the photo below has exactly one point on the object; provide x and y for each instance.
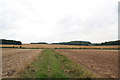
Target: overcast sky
(59, 20)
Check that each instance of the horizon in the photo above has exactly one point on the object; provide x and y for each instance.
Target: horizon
(69, 41)
(54, 21)
(59, 41)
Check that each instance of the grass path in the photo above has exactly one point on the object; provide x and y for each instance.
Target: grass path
(54, 65)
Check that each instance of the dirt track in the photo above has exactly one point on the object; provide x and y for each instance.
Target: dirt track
(103, 63)
(15, 60)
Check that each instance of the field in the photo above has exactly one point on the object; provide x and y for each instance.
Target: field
(65, 63)
(104, 63)
(51, 64)
(57, 46)
(15, 60)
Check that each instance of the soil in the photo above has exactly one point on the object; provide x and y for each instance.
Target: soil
(103, 63)
(15, 60)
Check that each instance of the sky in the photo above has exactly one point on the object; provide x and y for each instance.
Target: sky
(59, 20)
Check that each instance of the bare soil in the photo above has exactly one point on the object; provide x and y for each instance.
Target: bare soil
(103, 63)
(16, 60)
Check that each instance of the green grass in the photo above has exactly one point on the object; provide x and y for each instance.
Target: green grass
(51, 64)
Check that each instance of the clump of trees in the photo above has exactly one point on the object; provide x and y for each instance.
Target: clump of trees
(40, 43)
(75, 43)
(11, 42)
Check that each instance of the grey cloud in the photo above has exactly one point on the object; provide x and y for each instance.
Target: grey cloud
(25, 16)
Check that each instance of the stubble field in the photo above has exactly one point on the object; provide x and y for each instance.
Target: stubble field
(58, 46)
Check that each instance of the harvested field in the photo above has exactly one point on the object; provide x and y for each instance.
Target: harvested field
(56, 46)
(103, 63)
(15, 60)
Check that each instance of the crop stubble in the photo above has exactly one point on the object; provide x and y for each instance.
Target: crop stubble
(57, 46)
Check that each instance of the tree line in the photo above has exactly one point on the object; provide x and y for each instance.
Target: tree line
(87, 43)
(84, 43)
(39, 43)
(117, 42)
(75, 43)
(12, 42)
